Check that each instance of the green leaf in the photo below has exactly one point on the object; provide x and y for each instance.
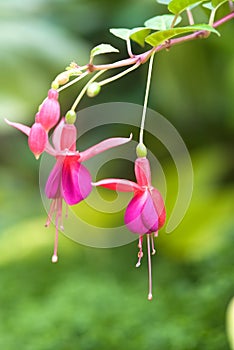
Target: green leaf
(139, 34)
(161, 22)
(163, 2)
(158, 38)
(102, 48)
(122, 33)
(178, 6)
(218, 3)
(136, 34)
(208, 5)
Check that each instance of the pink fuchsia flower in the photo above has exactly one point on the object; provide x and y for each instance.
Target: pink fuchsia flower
(145, 213)
(69, 180)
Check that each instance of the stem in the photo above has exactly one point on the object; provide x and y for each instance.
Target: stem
(120, 75)
(190, 16)
(73, 81)
(129, 48)
(150, 296)
(174, 21)
(81, 94)
(146, 55)
(146, 98)
(142, 58)
(212, 16)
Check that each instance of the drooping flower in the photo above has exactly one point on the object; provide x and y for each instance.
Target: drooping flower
(69, 180)
(145, 213)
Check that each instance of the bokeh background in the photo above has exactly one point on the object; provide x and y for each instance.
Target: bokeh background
(96, 298)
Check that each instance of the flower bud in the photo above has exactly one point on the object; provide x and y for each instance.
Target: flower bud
(62, 78)
(141, 150)
(70, 117)
(49, 113)
(93, 89)
(37, 139)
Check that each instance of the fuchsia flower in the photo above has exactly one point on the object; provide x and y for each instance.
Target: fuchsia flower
(69, 180)
(145, 214)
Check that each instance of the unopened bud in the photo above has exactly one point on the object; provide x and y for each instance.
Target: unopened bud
(141, 150)
(49, 112)
(37, 139)
(93, 89)
(70, 117)
(62, 78)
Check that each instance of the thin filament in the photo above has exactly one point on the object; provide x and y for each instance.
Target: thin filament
(150, 296)
(119, 75)
(152, 245)
(146, 98)
(140, 253)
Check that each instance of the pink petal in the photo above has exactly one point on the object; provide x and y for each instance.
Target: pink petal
(159, 205)
(68, 137)
(53, 185)
(25, 129)
(141, 216)
(56, 137)
(118, 185)
(37, 139)
(142, 172)
(103, 146)
(76, 180)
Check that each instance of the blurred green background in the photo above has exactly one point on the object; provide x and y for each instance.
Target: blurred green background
(96, 298)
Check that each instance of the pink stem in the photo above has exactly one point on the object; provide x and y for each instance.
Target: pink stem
(150, 296)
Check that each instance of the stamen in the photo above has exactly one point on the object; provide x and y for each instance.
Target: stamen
(140, 253)
(152, 245)
(150, 296)
(67, 209)
(57, 220)
(50, 213)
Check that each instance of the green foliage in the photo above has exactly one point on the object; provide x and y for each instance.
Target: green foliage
(160, 37)
(101, 49)
(178, 6)
(136, 34)
(217, 3)
(139, 34)
(122, 33)
(162, 22)
(95, 299)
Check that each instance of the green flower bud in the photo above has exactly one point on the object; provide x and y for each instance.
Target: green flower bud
(62, 78)
(70, 117)
(141, 150)
(54, 85)
(93, 89)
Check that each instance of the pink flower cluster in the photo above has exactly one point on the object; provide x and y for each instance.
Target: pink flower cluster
(70, 181)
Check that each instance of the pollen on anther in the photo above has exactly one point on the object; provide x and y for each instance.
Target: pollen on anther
(150, 296)
(54, 258)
